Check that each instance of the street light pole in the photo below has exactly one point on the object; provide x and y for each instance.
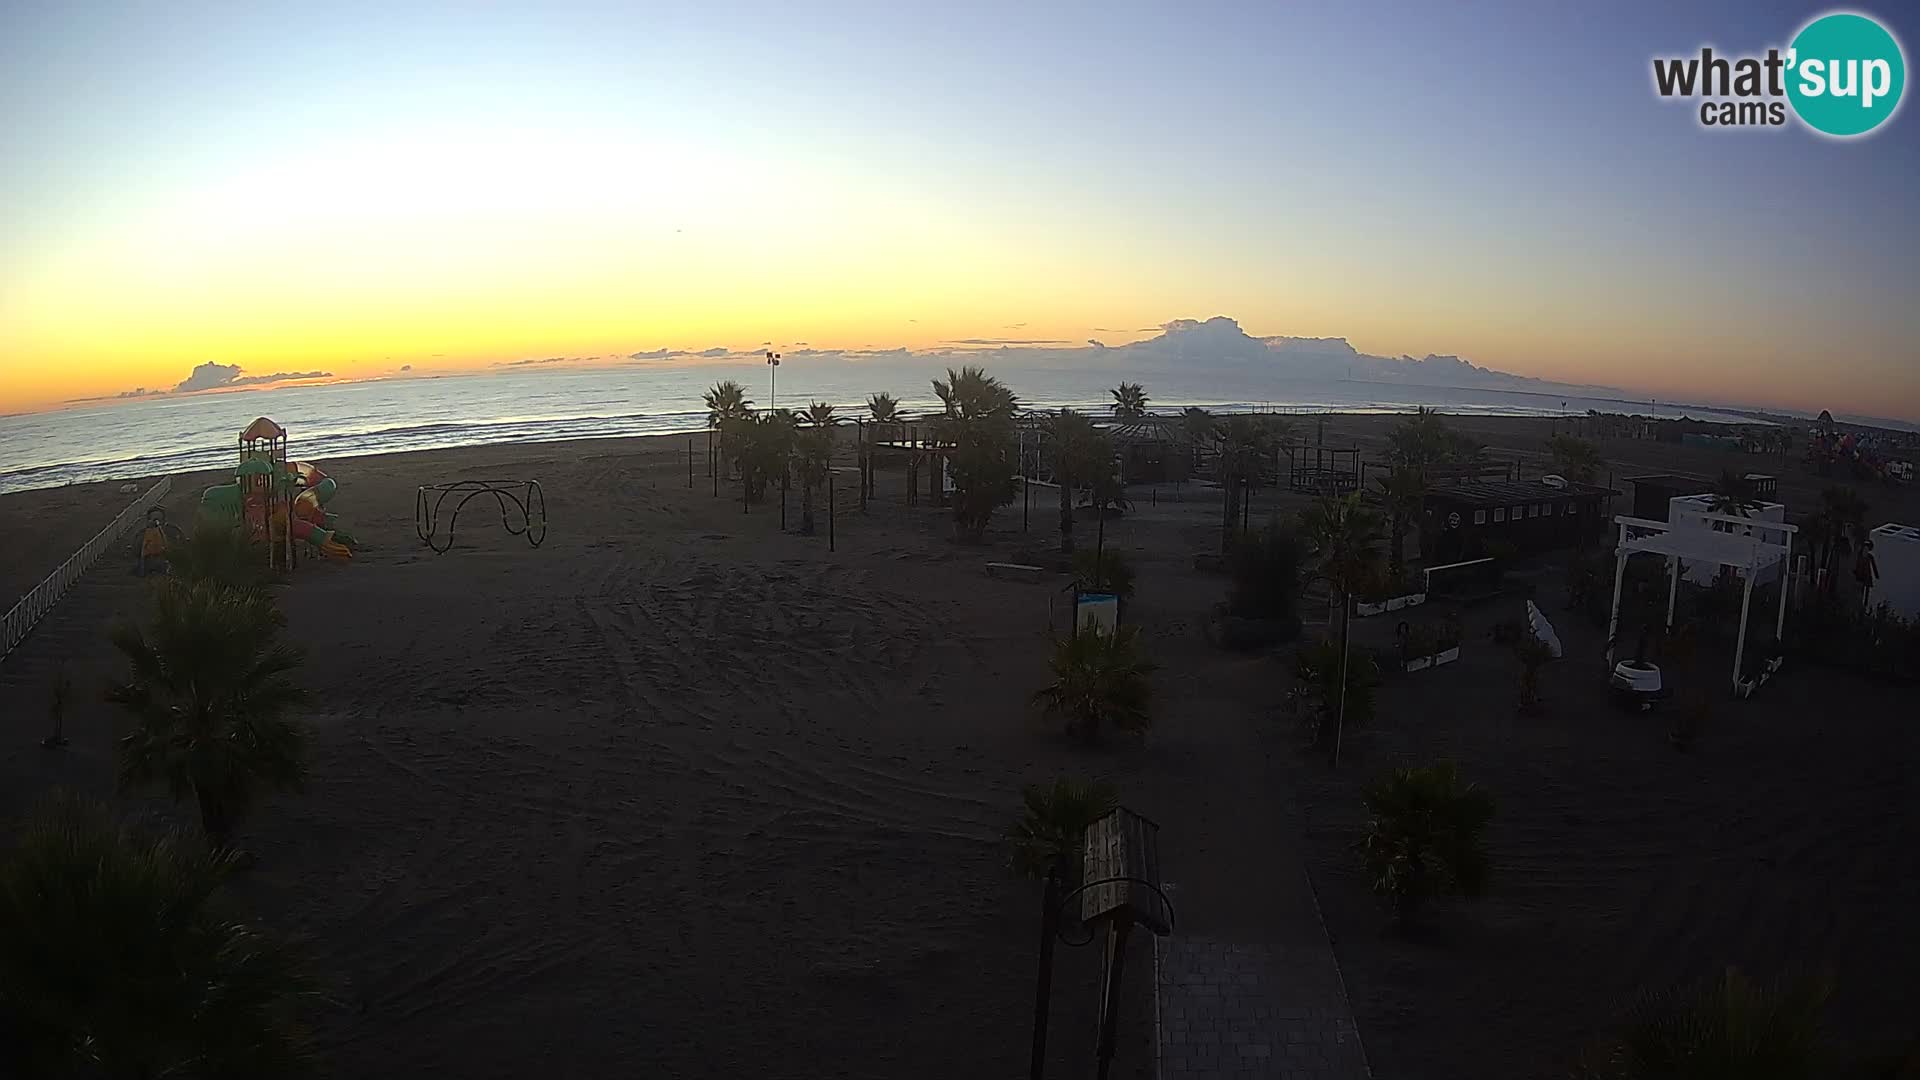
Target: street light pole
(773, 370)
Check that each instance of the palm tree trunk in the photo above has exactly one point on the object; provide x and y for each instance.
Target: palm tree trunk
(806, 508)
(1398, 569)
(1229, 526)
(1066, 511)
(1340, 716)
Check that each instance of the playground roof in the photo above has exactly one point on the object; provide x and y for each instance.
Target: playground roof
(263, 428)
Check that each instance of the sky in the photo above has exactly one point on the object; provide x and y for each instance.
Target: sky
(356, 188)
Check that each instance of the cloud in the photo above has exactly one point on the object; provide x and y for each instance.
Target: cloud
(543, 361)
(1015, 326)
(653, 354)
(214, 375)
(1005, 341)
(406, 367)
(717, 350)
(1096, 344)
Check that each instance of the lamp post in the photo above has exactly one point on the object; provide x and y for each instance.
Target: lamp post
(773, 371)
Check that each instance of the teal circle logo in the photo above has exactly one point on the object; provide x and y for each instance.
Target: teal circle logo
(1845, 73)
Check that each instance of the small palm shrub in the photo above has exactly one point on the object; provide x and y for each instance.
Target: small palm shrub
(1423, 837)
(1110, 572)
(208, 690)
(1049, 835)
(118, 957)
(1533, 654)
(219, 551)
(1730, 1028)
(1315, 696)
(1099, 681)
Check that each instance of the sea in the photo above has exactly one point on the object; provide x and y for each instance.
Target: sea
(168, 433)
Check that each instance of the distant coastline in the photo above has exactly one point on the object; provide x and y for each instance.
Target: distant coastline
(152, 435)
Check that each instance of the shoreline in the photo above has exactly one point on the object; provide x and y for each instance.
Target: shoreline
(196, 459)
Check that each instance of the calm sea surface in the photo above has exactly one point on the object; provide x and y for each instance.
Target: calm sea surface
(144, 436)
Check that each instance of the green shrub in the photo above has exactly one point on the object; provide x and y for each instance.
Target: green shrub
(1266, 567)
(1423, 838)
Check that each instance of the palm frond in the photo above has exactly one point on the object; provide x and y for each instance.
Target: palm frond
(1049, 834)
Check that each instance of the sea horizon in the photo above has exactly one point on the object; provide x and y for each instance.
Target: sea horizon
(171, 433)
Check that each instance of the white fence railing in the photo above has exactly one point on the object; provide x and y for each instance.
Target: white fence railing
(43, 596)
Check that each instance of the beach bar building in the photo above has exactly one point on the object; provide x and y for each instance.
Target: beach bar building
(1531, 515)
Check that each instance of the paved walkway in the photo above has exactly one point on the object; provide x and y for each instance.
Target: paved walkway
(1254, 1011)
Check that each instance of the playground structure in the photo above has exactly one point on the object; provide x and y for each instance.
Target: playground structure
(1323, 469)
(278, 501)
(515, 498)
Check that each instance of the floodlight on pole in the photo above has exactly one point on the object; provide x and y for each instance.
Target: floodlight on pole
(773, 371)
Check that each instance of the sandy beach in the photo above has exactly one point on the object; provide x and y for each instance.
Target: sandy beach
(679, 793)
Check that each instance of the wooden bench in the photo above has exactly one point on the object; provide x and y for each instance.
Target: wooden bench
(1016, 571)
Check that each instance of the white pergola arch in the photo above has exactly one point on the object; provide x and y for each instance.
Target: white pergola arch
(1746, 545)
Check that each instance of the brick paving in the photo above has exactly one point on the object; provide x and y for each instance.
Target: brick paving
(1251, 1012)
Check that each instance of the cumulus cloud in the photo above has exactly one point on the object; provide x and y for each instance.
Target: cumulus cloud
(717, 350)
(652, 354)
(214, 375)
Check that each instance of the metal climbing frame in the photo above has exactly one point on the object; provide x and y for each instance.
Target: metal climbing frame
(521, 497)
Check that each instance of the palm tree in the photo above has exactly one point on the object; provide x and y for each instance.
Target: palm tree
(815, 445)
(1049, 836)
(1575, 458)
(766, 449)
(728, 409)
(1833, 528)
(1129, 401)
(118, 958)
(220, 551)
(1074, 441)
(977, 426)
(1319, 690)
(883, 407)
(1402, 491)
(1245, 441)
(1419, 441)
(1533, 654)
(1340, 535)
(209, 695)
(1423, 837)
(1729, 1028)
(1731, 495)
(1099, 680)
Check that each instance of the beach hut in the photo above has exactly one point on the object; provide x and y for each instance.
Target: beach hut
(1151, 449)
(1530, 515)
(1653, 493)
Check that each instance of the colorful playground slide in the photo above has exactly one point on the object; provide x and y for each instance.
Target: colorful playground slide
(275, 498)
